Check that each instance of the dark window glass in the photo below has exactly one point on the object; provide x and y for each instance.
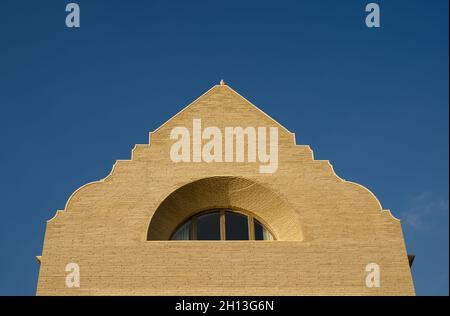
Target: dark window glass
(208, 226)
(236, 226)
(184, 232)
(258, 230)
(261, 233)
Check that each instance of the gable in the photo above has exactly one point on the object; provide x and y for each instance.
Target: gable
(220, 106)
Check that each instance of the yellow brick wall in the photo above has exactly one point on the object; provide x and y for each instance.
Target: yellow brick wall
(327, 229)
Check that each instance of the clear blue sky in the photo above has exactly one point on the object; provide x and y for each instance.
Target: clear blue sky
(372, 101)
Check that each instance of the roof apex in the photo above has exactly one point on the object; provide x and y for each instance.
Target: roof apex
(221, 85)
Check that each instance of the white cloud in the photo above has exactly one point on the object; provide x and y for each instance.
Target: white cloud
(422, 208)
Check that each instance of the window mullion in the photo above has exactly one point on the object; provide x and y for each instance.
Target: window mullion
(251, 231)
(222, 225)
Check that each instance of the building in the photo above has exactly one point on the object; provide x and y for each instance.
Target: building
(222, 201)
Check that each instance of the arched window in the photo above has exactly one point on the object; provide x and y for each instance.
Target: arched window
(222, 224)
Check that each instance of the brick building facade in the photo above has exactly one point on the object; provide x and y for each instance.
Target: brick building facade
(324, 231)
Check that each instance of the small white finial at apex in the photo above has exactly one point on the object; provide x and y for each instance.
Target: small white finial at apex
(222, 83)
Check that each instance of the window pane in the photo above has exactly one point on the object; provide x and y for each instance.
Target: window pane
(261, 233)
(208, 227)
(184, 232)
(236, 226)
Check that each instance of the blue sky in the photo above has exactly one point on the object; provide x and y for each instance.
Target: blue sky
(372, 101)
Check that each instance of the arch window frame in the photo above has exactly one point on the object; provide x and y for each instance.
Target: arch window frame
(222, 225)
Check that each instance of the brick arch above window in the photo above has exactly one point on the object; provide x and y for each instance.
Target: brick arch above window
(225, 193)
